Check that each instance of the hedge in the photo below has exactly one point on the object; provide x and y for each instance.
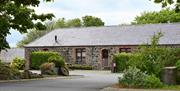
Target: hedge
(38, 58)
(80, 67)
(121, 60)
(57, 60)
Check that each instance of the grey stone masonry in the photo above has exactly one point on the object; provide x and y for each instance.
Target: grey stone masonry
(93, 54)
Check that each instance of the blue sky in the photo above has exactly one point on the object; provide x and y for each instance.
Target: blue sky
(112, 12)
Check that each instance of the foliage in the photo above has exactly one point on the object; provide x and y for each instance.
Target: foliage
(31, 36)
(154, 59)
(38, 58)
(163, 16)
(60, 23)
(8, 73)
(134, 77)
(121, 60)
(151, 81)
(176, 52)
(178, 71)
(18, 63)
(47, 68)
(136, 60)
(19, 15)
(80, 67)
(76, 22)
(166, 3)
(57, 60)
(178, 65)
(171, 87)
(151, 58)
(92, 21)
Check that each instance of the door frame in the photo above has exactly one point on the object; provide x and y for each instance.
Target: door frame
(104, 64)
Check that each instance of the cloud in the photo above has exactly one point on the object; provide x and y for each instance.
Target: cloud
(123, 11)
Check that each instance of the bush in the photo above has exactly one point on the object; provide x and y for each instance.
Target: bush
(152, 60)
(8, 73)
(38, 58)
(134, 77)
(178, 65)
(18, 63)
(178, 71)
(80, 67)
(151, 81)
(121, 60)
(176, 53)
(136, 60)
(57, 60)
(47, 68)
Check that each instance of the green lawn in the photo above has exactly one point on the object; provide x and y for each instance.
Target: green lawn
(171, 87)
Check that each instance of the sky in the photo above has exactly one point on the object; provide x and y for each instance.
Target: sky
(112, 12)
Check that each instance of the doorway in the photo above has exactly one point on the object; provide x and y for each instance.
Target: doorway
(105, 56)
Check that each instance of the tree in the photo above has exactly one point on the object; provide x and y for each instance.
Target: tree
(17, 15)
(163, 16)
(34, 34)
(60, 23)
(92, 21)
(74, 23)
(166, 3)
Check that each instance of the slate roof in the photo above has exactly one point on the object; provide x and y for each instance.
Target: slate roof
(112, 35)
(10, 54)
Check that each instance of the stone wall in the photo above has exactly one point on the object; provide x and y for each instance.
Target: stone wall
(93, 54)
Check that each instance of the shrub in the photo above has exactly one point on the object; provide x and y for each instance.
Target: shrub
(134, 77)
(152, 60)
(121, 60)
(178, 71)
(47, 68)
(18, 63)
(8, 73)
(176, 53)
(38, 58)
(136, 60)
(57, 60)
(151, 81)
(178, 65)
(81, 67)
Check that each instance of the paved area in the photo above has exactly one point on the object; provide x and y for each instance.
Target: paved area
(90, 81)
(115, 89)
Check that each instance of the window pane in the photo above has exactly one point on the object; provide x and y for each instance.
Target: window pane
(79, 54)
(127, 50)
(83, 54)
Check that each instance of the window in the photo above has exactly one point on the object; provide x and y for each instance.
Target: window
(80, 56)
(45, 49)
(127, 50)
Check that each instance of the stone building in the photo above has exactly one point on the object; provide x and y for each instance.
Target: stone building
(96, 45)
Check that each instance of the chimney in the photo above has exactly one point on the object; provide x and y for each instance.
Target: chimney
(55, 37)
